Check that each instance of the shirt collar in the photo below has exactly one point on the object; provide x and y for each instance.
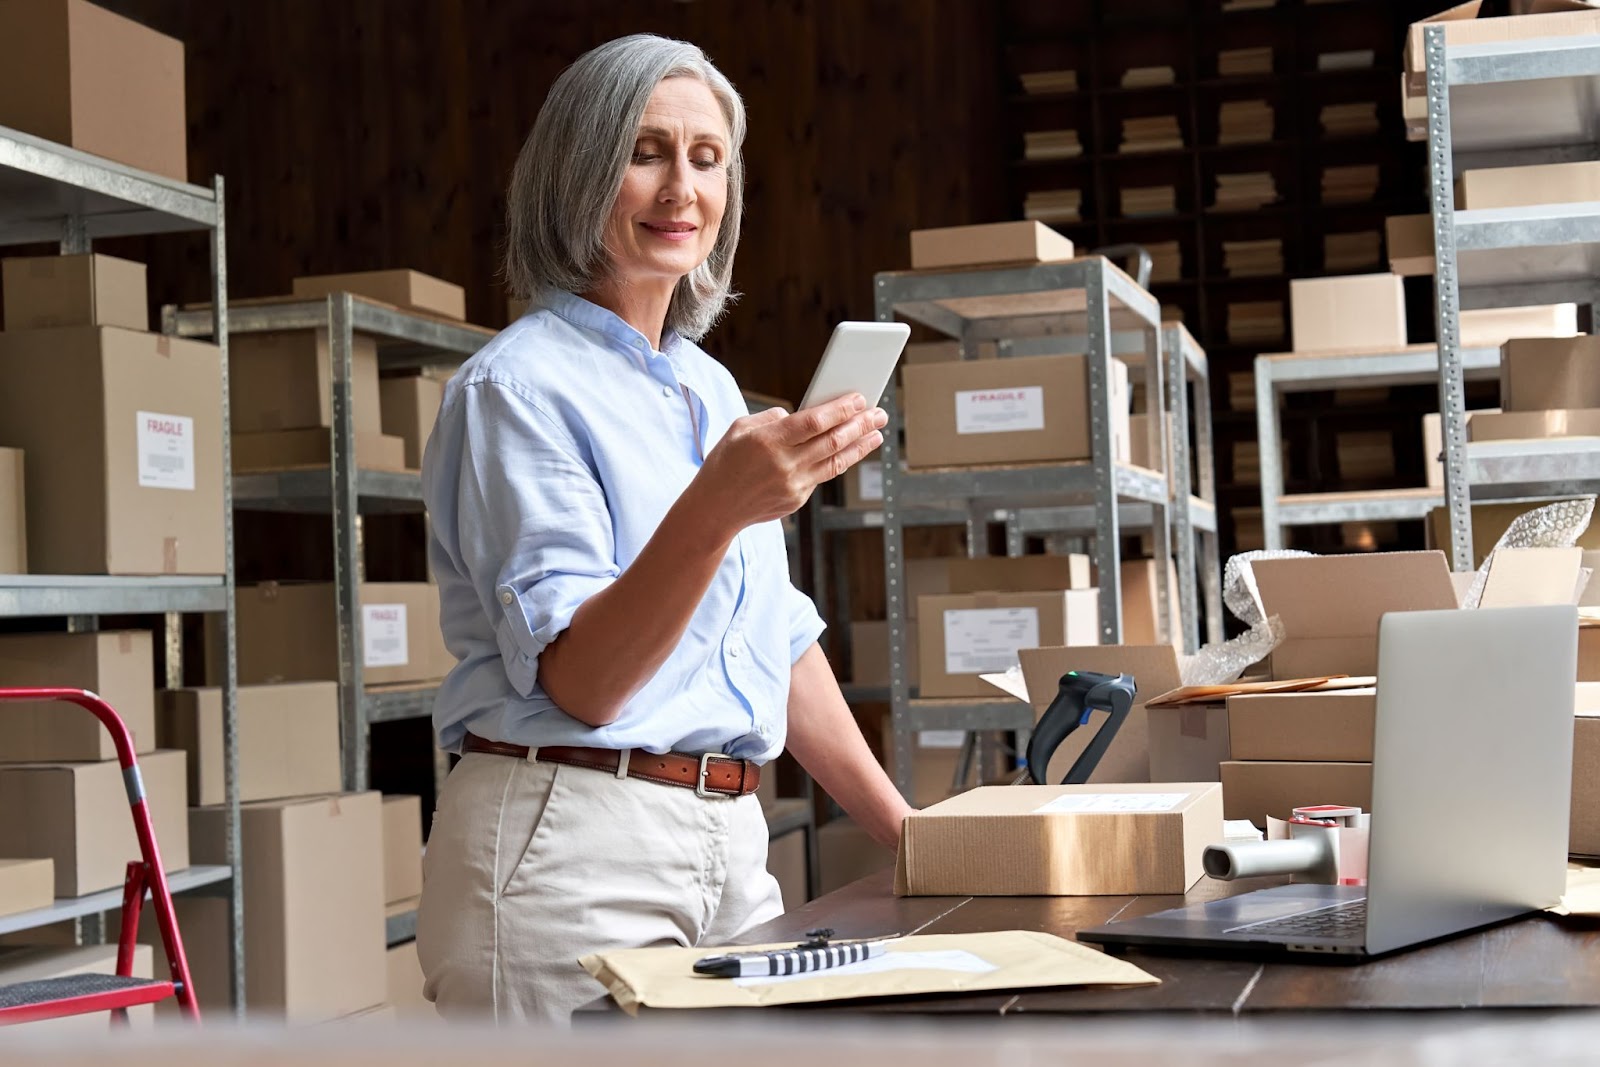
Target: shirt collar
(591, 316)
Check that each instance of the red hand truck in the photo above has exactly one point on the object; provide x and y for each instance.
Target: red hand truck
(54, 998)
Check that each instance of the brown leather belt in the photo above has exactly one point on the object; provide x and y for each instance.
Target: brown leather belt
(712, 774)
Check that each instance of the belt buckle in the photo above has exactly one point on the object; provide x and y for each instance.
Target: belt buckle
(700, 789)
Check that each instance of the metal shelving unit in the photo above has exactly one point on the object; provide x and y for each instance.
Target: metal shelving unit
(52, 193)
(1527, 101)
(1291, 372)
(406, 339)
(1087, 297)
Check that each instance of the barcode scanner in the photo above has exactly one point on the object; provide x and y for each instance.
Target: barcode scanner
(1081, 694)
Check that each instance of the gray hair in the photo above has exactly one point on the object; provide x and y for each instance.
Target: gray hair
(571, 167)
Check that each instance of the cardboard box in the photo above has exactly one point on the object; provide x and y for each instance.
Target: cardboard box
(1353, 311)
(848, 854)
(786, 862)
(79, 75)
(13, 513)
(1584, 825)
(1140, 612)
(926, 577)
(82, 290)
(407, 289)
(1545, 183)
(1019, 574)
(314, 928)
(1489, 522)
(869, 653)
(1589, 653)
(26, 885)
(1330, 606)
(405, 983)
(1545, 373)
(1139, 442)
(1255, 790)
(1464, 27)
(40, 963)
(863, 483)
(116, 664)
(402, 848)
(963, 635)
(1493, 327)
(283, 380)
(288, 740)
(1330, 727)
(1154, 669)
(1409, 239)
(78, 817)
(935, 761)
(1189, 743)
(410, 407)
(1530, 425)
(288, 632)
(998, 242)
(1060, 840)
(125, 468)
(281, 449)
(1022, 409)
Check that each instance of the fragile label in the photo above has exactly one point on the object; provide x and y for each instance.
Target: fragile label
(166, 450)
(869, 481)
(1000, 410)
(1110, 803)
(942, 738)
(984, 640)
(383, 635)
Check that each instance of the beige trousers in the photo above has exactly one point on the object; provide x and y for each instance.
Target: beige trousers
(531, 865)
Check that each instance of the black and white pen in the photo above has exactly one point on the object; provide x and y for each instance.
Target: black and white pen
(815, 955)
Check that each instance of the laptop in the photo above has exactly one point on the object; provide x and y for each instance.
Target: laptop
(1471, 791)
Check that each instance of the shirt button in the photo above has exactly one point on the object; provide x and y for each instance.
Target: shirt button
(666, 390)
(734, 649)
(506, 597)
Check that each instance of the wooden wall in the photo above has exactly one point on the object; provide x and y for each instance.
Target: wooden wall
(372, 133)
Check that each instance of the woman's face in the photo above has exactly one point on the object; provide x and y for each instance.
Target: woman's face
(669, 209)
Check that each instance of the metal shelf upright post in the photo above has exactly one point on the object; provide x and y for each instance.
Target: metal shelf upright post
(1006, 303)
(52, 193)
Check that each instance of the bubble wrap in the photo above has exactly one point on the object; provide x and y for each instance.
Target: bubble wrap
(1555, 525)
(1226, 661)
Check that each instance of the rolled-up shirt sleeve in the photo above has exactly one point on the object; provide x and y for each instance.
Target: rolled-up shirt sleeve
(533, 528)
(805, 625)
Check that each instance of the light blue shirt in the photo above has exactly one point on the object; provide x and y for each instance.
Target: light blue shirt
(558, 449)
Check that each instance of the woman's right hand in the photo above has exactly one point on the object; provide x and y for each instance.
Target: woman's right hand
(768, 464)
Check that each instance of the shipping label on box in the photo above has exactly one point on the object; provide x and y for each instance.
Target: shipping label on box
(999, 410)
(166, 450)
(383, 635)
(984, 640)
(988, 629)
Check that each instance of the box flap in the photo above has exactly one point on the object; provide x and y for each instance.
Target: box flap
(1154, 668)
(1527, 577)
(1345, 596)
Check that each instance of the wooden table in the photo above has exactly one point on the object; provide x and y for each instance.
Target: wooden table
(1541, 962)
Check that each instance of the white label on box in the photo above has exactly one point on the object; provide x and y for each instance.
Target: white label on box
(1000, 410)
(870, 480)
(1110, 803)
(982, 640)
(383, 635)
(166, 451)
(941, 738)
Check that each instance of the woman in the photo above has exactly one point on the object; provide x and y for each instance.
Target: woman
(611, 567)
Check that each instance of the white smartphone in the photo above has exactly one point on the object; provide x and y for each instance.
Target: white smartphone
(859, 358)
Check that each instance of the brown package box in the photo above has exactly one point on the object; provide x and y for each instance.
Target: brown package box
(1589, 653)
(1140, 613)
(280, 449)
(1527, 425)
(13, 512)
(1489, 522)
(1410, 242)
(314, 929)
(1060, 840)
(1189, 743)
(863, 483)
(1330, 606)
(402, 848)
(1334, 727)
(1350, 312)
(1583, 835)
(1493, 327)
(935, 758)
(37, 963)
(962, 636)
(26, 885)
(1019, 574)
(1557, 18)
(1019, 410)
(403, 288)
(404, 983)
(998, 242)
(926, 577)
(1155, 671)
(1139, 442)
(786, 862)
(1545, 183)
(1255, 790)
(82, 290)
(116, 664)
(283, 380)
(288, 740)
(846, 854)
(288, 632)
(78, 816)
(410, 406)
(869, 653)
(125, 468)
(1545, 373)
(79, 75)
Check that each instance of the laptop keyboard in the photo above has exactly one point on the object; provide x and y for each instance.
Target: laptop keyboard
(1341, 921)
